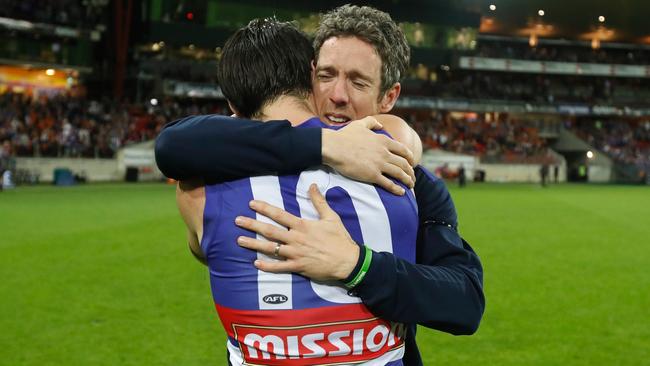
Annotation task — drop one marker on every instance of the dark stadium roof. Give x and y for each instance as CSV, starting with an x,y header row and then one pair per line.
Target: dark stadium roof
x,y
625,20
441,12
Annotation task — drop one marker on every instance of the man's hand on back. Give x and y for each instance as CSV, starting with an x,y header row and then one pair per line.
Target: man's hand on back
x,y
359,153
319,249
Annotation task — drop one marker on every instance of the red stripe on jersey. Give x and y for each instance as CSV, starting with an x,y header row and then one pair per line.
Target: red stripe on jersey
x,y
324,336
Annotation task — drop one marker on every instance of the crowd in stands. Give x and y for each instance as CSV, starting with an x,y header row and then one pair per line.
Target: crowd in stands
x,y
544,89
510,141
67,126
71,13
504,140
523,51
626,142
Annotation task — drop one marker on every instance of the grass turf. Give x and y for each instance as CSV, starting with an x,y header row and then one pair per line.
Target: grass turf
x,y
100,275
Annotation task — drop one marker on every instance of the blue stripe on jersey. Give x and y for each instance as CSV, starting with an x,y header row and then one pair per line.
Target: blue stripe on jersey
x,y
288,184
403,227
232,284
341,202
304,296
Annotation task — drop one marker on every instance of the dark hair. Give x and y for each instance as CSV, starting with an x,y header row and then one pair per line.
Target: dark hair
x,y
375,27
263,61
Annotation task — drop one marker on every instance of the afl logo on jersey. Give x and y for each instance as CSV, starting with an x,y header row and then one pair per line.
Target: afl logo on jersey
x,y
275,299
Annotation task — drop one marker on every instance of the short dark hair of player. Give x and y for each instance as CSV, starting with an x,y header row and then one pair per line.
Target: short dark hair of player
x,y
261,62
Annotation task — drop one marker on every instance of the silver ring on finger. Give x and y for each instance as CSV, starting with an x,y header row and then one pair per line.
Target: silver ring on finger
x,y
276,252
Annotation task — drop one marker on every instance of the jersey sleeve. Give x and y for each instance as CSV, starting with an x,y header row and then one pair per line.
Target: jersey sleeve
x,y
219,148
444,288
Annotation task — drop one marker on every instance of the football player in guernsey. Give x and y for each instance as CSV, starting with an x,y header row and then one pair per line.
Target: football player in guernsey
x,y
285,318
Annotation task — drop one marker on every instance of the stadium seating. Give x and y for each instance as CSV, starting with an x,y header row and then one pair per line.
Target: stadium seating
x,y
626,142
66,126
567,53
75,13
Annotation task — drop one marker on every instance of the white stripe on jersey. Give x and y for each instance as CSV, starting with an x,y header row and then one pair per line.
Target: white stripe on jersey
x,y
371,213
266,188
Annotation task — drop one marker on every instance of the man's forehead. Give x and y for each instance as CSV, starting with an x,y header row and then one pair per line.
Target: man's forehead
x,y
362,44
349,54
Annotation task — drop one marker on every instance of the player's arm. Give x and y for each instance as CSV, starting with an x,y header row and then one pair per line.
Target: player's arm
x,y
190,199
219,148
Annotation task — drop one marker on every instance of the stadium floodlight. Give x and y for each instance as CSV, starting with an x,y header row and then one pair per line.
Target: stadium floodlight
x,y
541,12
590,154
493,7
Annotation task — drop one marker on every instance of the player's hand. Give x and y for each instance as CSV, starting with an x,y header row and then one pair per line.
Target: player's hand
x,y
321,250
358,153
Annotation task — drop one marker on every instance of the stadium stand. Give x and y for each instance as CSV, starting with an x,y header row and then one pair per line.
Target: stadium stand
x,y
512,49
547,89
626,142
68,126
74,13
506,141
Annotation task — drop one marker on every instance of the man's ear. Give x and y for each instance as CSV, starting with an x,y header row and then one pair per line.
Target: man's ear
x,y
389,98
233,110
313,70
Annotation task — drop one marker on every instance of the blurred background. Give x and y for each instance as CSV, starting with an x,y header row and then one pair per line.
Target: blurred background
x,y
521,83
518,93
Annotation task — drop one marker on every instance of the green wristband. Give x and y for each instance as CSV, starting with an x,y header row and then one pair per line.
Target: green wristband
x,y
362,271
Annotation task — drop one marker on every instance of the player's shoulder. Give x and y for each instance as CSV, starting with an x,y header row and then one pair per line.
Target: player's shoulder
x,y
394,125
400,131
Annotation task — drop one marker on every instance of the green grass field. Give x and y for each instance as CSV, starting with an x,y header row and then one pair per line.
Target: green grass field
x,y
101,275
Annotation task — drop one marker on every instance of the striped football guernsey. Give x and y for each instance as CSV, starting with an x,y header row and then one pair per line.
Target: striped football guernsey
x,y
287,319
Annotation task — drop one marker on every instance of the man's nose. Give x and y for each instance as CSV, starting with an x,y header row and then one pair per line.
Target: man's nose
x,y
339,94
